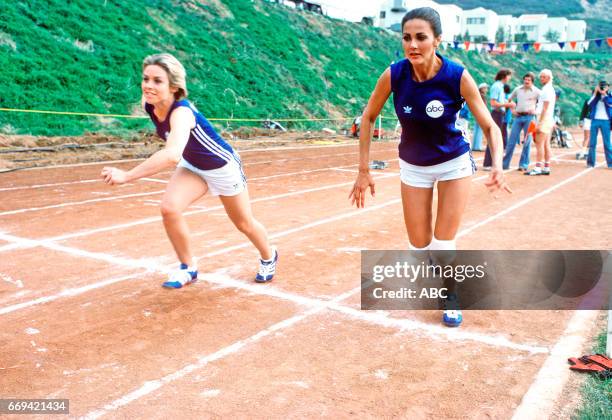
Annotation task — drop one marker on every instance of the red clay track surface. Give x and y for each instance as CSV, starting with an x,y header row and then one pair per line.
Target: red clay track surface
x,y
83,316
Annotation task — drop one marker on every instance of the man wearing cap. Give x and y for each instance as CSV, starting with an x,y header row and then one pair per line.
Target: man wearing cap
x,y
600,113
527,97
545,122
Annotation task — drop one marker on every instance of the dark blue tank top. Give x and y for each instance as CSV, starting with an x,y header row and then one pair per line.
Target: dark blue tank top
x,y
205,148
428,112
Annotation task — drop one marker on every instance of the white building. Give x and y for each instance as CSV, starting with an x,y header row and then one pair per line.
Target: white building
x,y
451,17
392,12
576,30
508,24
481,24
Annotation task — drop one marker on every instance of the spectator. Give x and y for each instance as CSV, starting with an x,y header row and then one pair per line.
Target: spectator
x,y
508,116
498,109
600,113
483,88
585,124
527,97
545,123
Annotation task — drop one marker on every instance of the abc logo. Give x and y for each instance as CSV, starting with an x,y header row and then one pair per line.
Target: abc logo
x,y
435,109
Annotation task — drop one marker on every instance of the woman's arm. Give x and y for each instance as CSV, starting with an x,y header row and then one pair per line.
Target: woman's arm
x,y
182,121
368,119
470,93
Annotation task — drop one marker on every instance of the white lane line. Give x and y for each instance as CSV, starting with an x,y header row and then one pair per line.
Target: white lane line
x,y
150,386
8,279
73,165
149,264
68,293
346,170
79,203
282,148
373,317
541,397
523,202
58,184
208,209
161,181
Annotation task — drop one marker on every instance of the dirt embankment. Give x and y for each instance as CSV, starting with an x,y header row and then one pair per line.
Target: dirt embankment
x,y
20,152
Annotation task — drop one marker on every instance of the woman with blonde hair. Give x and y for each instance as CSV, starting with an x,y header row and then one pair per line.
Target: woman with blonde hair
x,y
205,163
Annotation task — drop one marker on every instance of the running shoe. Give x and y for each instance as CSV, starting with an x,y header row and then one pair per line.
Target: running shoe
x,y
267,269
451,316
181,277
533,172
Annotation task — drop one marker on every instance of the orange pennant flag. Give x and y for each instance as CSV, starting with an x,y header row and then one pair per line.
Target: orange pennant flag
x,y
502,46
610,42
573,44
467,45
537,46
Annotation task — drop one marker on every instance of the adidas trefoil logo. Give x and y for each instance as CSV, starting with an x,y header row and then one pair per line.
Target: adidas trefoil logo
x,y
407,109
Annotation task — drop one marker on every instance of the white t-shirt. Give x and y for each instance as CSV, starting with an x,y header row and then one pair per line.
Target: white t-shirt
x,y
547,95
600,110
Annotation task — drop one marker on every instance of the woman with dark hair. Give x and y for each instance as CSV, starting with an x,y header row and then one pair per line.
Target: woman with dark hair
x,y
428,92
204,163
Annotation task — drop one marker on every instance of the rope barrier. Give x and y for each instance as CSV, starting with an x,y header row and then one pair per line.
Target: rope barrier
x,y
92,114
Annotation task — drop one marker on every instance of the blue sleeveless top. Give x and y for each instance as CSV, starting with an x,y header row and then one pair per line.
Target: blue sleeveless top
x,y
427,112
205,148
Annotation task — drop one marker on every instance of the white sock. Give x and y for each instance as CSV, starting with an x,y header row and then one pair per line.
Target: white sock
x,y
444,251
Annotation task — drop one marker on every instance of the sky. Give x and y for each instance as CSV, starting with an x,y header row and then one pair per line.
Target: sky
x,y
352,10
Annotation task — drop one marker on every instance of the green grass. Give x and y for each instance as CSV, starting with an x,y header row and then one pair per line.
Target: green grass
x,y
596,393
243,59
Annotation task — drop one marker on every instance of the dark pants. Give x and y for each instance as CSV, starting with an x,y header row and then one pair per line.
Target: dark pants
x,y
498,117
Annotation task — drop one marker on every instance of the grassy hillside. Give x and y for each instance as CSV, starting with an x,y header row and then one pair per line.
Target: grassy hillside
x,y
244,60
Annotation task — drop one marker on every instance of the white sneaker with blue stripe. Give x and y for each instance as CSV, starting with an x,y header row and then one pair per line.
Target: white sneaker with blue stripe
x,y
181,277
452,316
267,268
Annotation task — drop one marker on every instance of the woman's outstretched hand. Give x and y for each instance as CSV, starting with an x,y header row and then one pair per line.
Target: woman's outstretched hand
x,y
358,192
113,176
497,182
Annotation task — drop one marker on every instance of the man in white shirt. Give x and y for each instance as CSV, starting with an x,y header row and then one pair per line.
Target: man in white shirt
x,y
527,97
545,123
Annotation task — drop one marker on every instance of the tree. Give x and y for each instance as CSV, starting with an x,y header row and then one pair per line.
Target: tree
x,y
466,36
552,36
500,35
521,37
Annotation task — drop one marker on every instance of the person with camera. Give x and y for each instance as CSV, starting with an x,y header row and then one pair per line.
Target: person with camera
x,y
600,114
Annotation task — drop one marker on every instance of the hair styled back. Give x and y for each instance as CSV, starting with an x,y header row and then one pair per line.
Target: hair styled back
x,y
427,14
175,70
